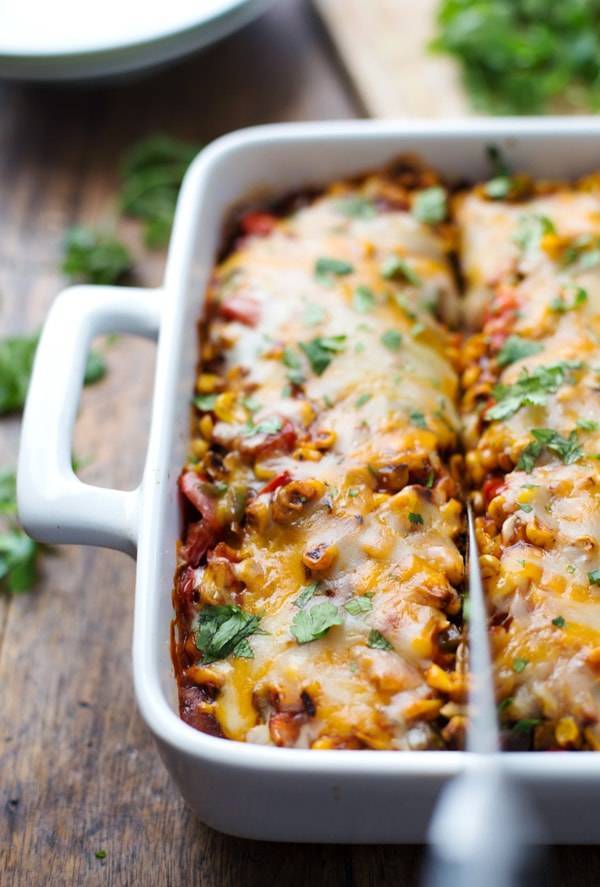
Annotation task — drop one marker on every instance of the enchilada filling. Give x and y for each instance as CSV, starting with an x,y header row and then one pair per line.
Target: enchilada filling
x,y
318,593
532,430
318,590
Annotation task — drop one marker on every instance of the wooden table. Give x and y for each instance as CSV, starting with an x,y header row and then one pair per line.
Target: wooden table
x,y
79,772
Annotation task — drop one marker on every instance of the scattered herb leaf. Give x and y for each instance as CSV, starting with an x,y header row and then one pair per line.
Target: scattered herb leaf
x,y
363,299
358,606
415,518
559,621
151,175
376,641
430,205
221,629
530,389
392,340
320,351
356,207
307,592
326,269
309,625
94,256
395,268
515,348
519,664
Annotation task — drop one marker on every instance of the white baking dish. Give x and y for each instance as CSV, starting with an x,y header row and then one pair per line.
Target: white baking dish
x,y
247,790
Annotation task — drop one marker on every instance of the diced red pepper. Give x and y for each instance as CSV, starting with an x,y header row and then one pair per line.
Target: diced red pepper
x,y
186,582
282,441
491,488
258,223
242,308
280,480
200,534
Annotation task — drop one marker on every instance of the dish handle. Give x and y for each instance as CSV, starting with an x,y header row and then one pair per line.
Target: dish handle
x,y
54,506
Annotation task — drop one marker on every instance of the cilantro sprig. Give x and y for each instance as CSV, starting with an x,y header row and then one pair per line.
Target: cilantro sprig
x,y
224,630
531,388
151,175
515,348
94,256
320,351
568,449
431,205
518,57
314,623
16,362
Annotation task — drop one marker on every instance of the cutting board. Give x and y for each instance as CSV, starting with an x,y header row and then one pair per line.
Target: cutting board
x,y
383,44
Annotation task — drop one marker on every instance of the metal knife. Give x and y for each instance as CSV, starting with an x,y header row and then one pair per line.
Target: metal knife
x,y
483,831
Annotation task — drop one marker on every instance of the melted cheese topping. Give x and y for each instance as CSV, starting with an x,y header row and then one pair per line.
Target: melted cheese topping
x,y
537,465
333,408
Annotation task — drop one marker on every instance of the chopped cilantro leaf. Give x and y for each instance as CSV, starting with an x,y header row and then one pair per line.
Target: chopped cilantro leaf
x,y
430,205
559,621
313,314
594,577
415,518
418,419
363,299
221,630
515,348
526,725
269,426
307,592
362,400
294,364
567,449
587,425
326,269
356,207
530,230
524,506
560,305
16,362
205,402
519,664
309,625
504,704
320,351
395,268
499,187
151,175
392,340
530,389
18,560
376,641
359,605
8,492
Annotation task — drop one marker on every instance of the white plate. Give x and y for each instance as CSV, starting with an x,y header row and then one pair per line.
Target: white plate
x,y
70,39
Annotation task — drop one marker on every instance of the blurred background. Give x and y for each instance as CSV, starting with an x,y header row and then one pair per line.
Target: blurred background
x,y
101,111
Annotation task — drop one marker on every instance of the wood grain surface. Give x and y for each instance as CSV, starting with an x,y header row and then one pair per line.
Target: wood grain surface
x,y
390,65
78,769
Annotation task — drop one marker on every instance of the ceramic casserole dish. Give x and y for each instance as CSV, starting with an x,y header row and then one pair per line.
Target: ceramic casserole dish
x,y
249,790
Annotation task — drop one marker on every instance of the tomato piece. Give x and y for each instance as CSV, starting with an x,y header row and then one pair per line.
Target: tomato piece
x,y
194,488
242,308
282,441
258,223
200,534
280,480
491,488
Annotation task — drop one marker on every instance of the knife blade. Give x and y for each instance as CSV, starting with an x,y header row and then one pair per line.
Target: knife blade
x,y
483,828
